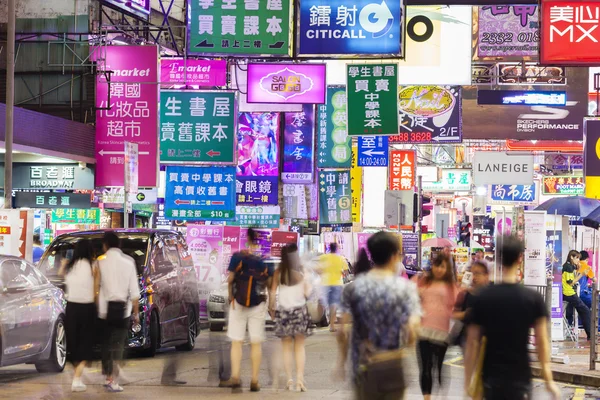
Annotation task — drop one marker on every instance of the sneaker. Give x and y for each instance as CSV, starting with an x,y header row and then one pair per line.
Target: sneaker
x,y
114,387
78,387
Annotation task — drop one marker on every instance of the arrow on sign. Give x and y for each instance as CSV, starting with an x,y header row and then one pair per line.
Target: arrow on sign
x,y
179,202
212,153
217,203
445,138
372,153
116,153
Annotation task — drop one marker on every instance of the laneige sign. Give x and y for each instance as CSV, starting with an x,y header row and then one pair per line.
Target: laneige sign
x,y
493,168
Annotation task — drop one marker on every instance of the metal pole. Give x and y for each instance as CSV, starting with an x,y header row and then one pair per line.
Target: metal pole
x,y
594,329
419,220
10,105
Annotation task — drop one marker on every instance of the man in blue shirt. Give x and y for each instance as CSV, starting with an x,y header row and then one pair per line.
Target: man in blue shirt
x,y
38,250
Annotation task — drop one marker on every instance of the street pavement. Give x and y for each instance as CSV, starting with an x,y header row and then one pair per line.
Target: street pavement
x,y
199,368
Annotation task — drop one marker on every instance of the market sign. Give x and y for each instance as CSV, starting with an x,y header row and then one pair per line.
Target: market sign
x,y
333,146
53,176
229,27
335,204
52,200
139,8
73,216
350,28
192,71
429,114
257,190
298,146
197,126
403,165
453,180
286,83
567,185
200,193
513,193
372,93
569,32
257,216
502,168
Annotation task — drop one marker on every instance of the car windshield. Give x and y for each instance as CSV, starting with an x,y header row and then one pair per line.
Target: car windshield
x,y
134,245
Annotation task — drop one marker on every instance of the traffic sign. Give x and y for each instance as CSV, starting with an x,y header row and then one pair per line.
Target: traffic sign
x,y
372,151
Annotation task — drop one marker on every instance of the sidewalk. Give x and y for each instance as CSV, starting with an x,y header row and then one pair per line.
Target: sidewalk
x,y
577,370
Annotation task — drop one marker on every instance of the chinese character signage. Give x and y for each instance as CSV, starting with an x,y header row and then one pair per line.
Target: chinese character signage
x,y
131,167
335,204
298,146
508,31
192,71
197,126
372,98
350,28
530,74
333,147
240,27
373,151
131,115
513,193
52,176
286,83
453,180
280,239
294,201
257,190
257,217
569,32
356,175
205,243
591,158
565,185
140,8
429,114
52,200
403,164
200,193
74,216
231,245
258,144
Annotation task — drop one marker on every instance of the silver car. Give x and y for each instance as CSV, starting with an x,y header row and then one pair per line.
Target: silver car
x,y
32,328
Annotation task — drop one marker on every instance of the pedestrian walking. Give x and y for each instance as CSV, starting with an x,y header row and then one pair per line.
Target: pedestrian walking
x,y
385,312
504,314
81,309
292,320
570,279
332,268
249,278
587,279
118,294
38,249
437,289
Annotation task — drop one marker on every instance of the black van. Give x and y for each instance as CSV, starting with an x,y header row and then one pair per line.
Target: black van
x,y
169,302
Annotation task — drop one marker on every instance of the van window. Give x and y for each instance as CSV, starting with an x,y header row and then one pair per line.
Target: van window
x,y
171,251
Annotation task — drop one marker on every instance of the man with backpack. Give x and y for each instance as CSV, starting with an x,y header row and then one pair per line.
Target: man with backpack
x,y
249,278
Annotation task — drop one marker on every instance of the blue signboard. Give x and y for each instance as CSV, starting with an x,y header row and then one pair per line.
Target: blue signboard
x,y
200,193
350,27
373,151
513,193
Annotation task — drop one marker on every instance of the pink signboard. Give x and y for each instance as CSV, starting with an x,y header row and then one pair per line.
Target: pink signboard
x,y
131,115
286,83
193,72
231,245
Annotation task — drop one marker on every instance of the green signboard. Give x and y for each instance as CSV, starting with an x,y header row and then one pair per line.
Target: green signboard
x,y
242,27
372,99
197,127
75,216
335,203
257,216
334,149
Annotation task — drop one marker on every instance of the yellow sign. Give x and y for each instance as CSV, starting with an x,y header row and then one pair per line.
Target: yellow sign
x,y
356,186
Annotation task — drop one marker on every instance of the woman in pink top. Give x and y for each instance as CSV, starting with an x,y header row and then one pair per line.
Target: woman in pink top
x,y
438,295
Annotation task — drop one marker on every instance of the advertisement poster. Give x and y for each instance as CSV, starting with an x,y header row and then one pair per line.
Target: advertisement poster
x,y
333,149
258,144
535,248
335,204
370,86
231,245
298,146
513,194
294,201
197,126
131,115
429,114
286,83
205,243
356,185
241,28
403,165
263,241
280,239
257,190
14,232
257,216
508,31
350,27
361,239
563,185
344,241
192,71
410,249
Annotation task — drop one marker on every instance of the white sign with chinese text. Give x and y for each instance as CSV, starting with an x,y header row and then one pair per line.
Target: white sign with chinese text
x,y
453,180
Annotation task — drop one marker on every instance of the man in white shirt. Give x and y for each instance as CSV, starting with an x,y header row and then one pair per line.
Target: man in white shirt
x,y
118,293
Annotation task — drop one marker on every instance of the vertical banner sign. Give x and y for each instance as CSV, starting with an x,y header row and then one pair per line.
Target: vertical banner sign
x,y
131,115
200,193
591,158
535,248
280,239
131,167
348,28
410,249
250,27
429,114
508,31
402,169
294,202
333,149
372,99
298,146
335,204
231,245
205,243
356,187
197,127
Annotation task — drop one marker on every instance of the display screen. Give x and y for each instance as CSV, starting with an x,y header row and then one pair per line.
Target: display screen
x,y
521,98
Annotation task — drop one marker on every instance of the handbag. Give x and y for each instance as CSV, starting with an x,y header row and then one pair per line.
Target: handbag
x,y
475,389
381,371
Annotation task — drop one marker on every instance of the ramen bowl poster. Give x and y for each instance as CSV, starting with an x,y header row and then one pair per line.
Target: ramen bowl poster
x,y
287,83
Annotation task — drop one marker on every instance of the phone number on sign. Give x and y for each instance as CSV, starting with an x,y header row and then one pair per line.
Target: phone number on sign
x,y
418,137
508,37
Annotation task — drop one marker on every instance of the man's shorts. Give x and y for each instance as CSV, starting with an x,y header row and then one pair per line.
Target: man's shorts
x,y
332,295
253,318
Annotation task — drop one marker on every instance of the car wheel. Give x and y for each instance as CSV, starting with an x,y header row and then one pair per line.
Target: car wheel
x,y
58,354
153,336
216,327
192,332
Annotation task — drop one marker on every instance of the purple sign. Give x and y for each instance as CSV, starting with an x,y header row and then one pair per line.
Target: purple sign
x,y
508,31
257,190
286,83
193,72
131,115
298,146
141,8
263,241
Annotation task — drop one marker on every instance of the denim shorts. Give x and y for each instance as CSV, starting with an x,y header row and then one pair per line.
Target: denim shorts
x,y
332,295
